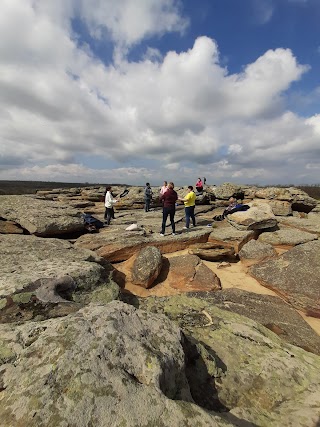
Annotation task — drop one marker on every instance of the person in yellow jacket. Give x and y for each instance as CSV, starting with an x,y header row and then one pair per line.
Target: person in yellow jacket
x,y
189,205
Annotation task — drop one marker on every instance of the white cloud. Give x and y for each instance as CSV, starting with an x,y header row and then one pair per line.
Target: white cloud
x,y
179,115
129,21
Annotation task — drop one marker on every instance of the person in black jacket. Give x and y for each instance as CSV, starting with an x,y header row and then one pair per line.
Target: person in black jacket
x,y
147,197
169,199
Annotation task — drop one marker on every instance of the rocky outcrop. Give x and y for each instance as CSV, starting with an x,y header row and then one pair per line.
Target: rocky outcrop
x,y
95,368
227,235
270,311
10,227
213,252
146,266
118,245
188,273
258,217
310,224
299,199
44,277
41,217
286,237
227,190
253,373
295,276
255,251
182,273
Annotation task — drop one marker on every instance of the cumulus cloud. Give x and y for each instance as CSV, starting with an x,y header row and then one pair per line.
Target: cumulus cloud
x,y
167,116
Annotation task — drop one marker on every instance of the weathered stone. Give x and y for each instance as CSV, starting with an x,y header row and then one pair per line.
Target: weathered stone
x,y
212,252
38,274
228,235
262,380
188,273
226,190
276,193
10,227
259,216
295,276
95,368
270,311
279,207
41,217
310,224
178,274
146,266
116,244
286,237
255,251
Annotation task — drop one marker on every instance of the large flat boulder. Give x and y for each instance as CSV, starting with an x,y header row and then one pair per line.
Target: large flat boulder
x,y
287,236
256,251
257,376
260,216
41,217
295,276
116,244
105,366
228,235
299,199
38,274
270,311
310,224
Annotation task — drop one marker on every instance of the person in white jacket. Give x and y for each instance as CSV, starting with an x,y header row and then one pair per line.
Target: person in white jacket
x,y
109,201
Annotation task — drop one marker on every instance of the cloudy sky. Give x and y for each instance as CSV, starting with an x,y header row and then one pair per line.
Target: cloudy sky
x,y
129,91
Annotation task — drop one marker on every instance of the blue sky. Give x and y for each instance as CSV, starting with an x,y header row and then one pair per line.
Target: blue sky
x,y
145,90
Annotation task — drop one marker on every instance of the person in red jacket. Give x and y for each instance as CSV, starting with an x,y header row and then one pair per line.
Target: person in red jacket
x,y
169,199
199,186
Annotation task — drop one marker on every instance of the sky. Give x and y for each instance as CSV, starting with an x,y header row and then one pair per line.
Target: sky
x,y
136,91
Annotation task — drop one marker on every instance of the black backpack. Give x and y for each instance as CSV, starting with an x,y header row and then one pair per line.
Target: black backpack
x,y
91,223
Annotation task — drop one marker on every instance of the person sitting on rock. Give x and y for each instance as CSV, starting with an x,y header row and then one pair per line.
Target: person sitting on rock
x,y
199,186
233,206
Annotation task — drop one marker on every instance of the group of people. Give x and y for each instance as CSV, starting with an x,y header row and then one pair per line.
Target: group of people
x,y
169,198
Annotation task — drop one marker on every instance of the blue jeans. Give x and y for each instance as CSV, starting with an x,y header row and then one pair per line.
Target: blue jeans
x,y
165,213
189,211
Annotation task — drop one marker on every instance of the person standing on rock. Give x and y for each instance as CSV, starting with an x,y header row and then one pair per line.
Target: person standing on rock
x,y
147,197
169,199
109,201
189,206
164,188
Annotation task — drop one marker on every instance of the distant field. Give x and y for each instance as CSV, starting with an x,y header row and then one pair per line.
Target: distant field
x,y
312,190
31,187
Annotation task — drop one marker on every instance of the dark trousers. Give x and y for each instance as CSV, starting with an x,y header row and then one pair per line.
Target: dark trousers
x,y
109,213
147,204
189,211
165,213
